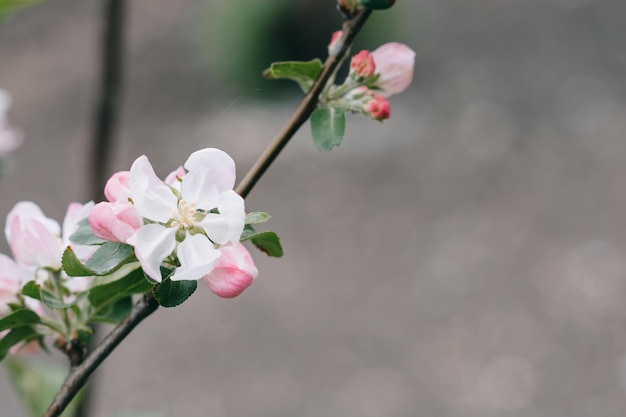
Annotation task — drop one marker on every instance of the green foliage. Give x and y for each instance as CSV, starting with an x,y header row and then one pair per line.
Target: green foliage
x,y
84,234
257,217
36,384
173,293
328,126
18,318
33,290
268,242
106,260
105,291
15,336
303,73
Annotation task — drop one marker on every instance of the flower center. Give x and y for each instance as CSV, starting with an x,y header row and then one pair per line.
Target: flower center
x,y
185,216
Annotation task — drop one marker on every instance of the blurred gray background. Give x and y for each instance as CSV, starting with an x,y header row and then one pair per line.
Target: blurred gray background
x,y
465,258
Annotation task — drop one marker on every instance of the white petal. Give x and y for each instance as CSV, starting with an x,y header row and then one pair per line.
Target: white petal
x,y
227,226
152,197
197,257
153,243
216,164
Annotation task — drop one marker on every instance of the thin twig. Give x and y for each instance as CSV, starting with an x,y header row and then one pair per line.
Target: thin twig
x,y
147,305
308,104
78,374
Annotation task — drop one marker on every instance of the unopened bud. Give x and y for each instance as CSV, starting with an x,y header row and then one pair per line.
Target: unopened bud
x,y
378,108
362,65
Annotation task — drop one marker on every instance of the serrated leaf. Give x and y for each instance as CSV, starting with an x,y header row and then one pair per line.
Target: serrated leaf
x,y
32,289
173,293
257,217
84,235
106,260
19,318
36,383
14,337
328,126
103,293
303,73
268,242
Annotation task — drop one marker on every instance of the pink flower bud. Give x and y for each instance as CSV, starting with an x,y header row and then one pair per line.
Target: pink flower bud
x,y
234,271
117,187
35,239
362,65
394,63
115,221
378,108
334,45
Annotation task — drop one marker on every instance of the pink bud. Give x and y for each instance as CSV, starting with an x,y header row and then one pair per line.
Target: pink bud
x,y
378,108
115,221
234,271
394,63
333,46
117,187
362,65
35,239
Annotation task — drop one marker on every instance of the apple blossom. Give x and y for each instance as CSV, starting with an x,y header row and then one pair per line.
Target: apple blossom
x,y
11,280
333,46
188,221
362,65
234,271
394,62
117,187
10,138
115,221
378,108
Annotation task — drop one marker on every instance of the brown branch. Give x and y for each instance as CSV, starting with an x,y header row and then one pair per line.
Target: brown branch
x,y
147,305
80,373
308,104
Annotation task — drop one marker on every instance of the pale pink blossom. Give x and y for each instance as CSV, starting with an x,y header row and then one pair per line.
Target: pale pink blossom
x,y
189,222
12,277
394,62
35,239
362,65
10,138
378,108
233,272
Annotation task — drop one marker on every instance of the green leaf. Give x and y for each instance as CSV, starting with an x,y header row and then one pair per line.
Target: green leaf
x,y
172,293
303,73
51,301
84,235
106,260
248,232
268,242
14,337
257,217
328,126
104,292
32,289
18,318
36,384
117,311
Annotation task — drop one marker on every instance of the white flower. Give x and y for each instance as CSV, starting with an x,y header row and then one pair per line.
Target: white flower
x,y
186,221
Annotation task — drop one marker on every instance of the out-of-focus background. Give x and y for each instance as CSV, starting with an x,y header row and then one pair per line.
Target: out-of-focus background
x,y
465,258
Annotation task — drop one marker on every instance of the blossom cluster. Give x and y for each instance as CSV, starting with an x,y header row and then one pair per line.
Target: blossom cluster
x,y
187,227
373,77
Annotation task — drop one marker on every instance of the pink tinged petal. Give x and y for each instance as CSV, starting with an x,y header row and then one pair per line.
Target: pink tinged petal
x,y
34,239
114,222
197,256
76,212
153,199
153,243
227,226
117,187
233,272
207,168
174,177
395,63
10,282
